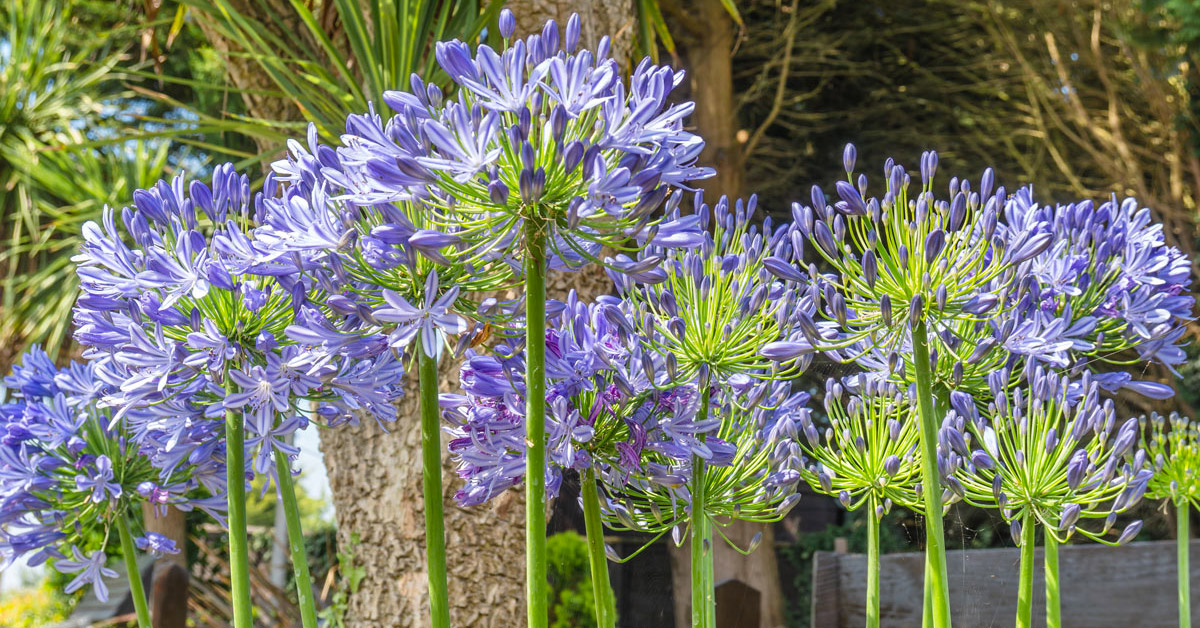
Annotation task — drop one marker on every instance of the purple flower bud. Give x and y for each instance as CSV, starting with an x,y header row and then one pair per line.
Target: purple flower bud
x,y
498,192
982,461
870,267
980,304
783,351
844,499
1130,532
916,310
958,213
849,156
934,243
508,23
783,270
885,310
891,465
1014,529
824,239
525,185
964,405
825,481
428,239
1051,440
1070,515
954,440
855,206
1030,247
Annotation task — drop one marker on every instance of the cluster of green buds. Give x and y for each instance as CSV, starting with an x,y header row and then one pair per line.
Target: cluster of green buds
x,y
869,454
1048,454
1173,446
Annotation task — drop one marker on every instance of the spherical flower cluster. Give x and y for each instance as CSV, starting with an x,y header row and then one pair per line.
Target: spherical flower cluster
x,y
904,262
541,142
748,450
1173,446
1108,285
727,308
69,470
1047,453
868,455
597,386
391,265
187,318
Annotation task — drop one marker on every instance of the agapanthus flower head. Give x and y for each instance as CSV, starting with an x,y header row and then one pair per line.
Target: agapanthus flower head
x,y
1173,447
1107,290
1048,449
868,453
1117,287
69,471
539,140
729,307
597,397
910,259
186,317
751,455
394,264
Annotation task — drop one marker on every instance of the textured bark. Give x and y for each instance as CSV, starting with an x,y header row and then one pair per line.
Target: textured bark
x,y
598,18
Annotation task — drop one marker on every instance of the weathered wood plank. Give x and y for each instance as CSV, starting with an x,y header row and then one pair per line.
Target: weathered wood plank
x,y
1102,587
826,597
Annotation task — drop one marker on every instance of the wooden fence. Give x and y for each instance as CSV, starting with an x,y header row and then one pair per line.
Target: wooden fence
x,y
1102,587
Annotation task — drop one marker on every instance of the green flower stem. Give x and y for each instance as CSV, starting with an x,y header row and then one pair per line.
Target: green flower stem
x,y
239,554
872,567
1183,571
535,424
135,575
935,543
431,478
704,603
1053,599
927,602
291,512
1025,585
606,603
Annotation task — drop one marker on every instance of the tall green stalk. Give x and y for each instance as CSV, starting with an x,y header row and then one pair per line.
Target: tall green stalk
x,y
239,554
1025,585
1053,599
535,424
431,478
605,601
872,566
704,604
136,590
1183,571
935,543
927,601
291,512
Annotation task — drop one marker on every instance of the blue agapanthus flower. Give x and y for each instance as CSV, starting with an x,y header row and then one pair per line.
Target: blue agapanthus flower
x,y
596,384
70,469
187,318
1110,288
539,132
729,308
1046,451
616,409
